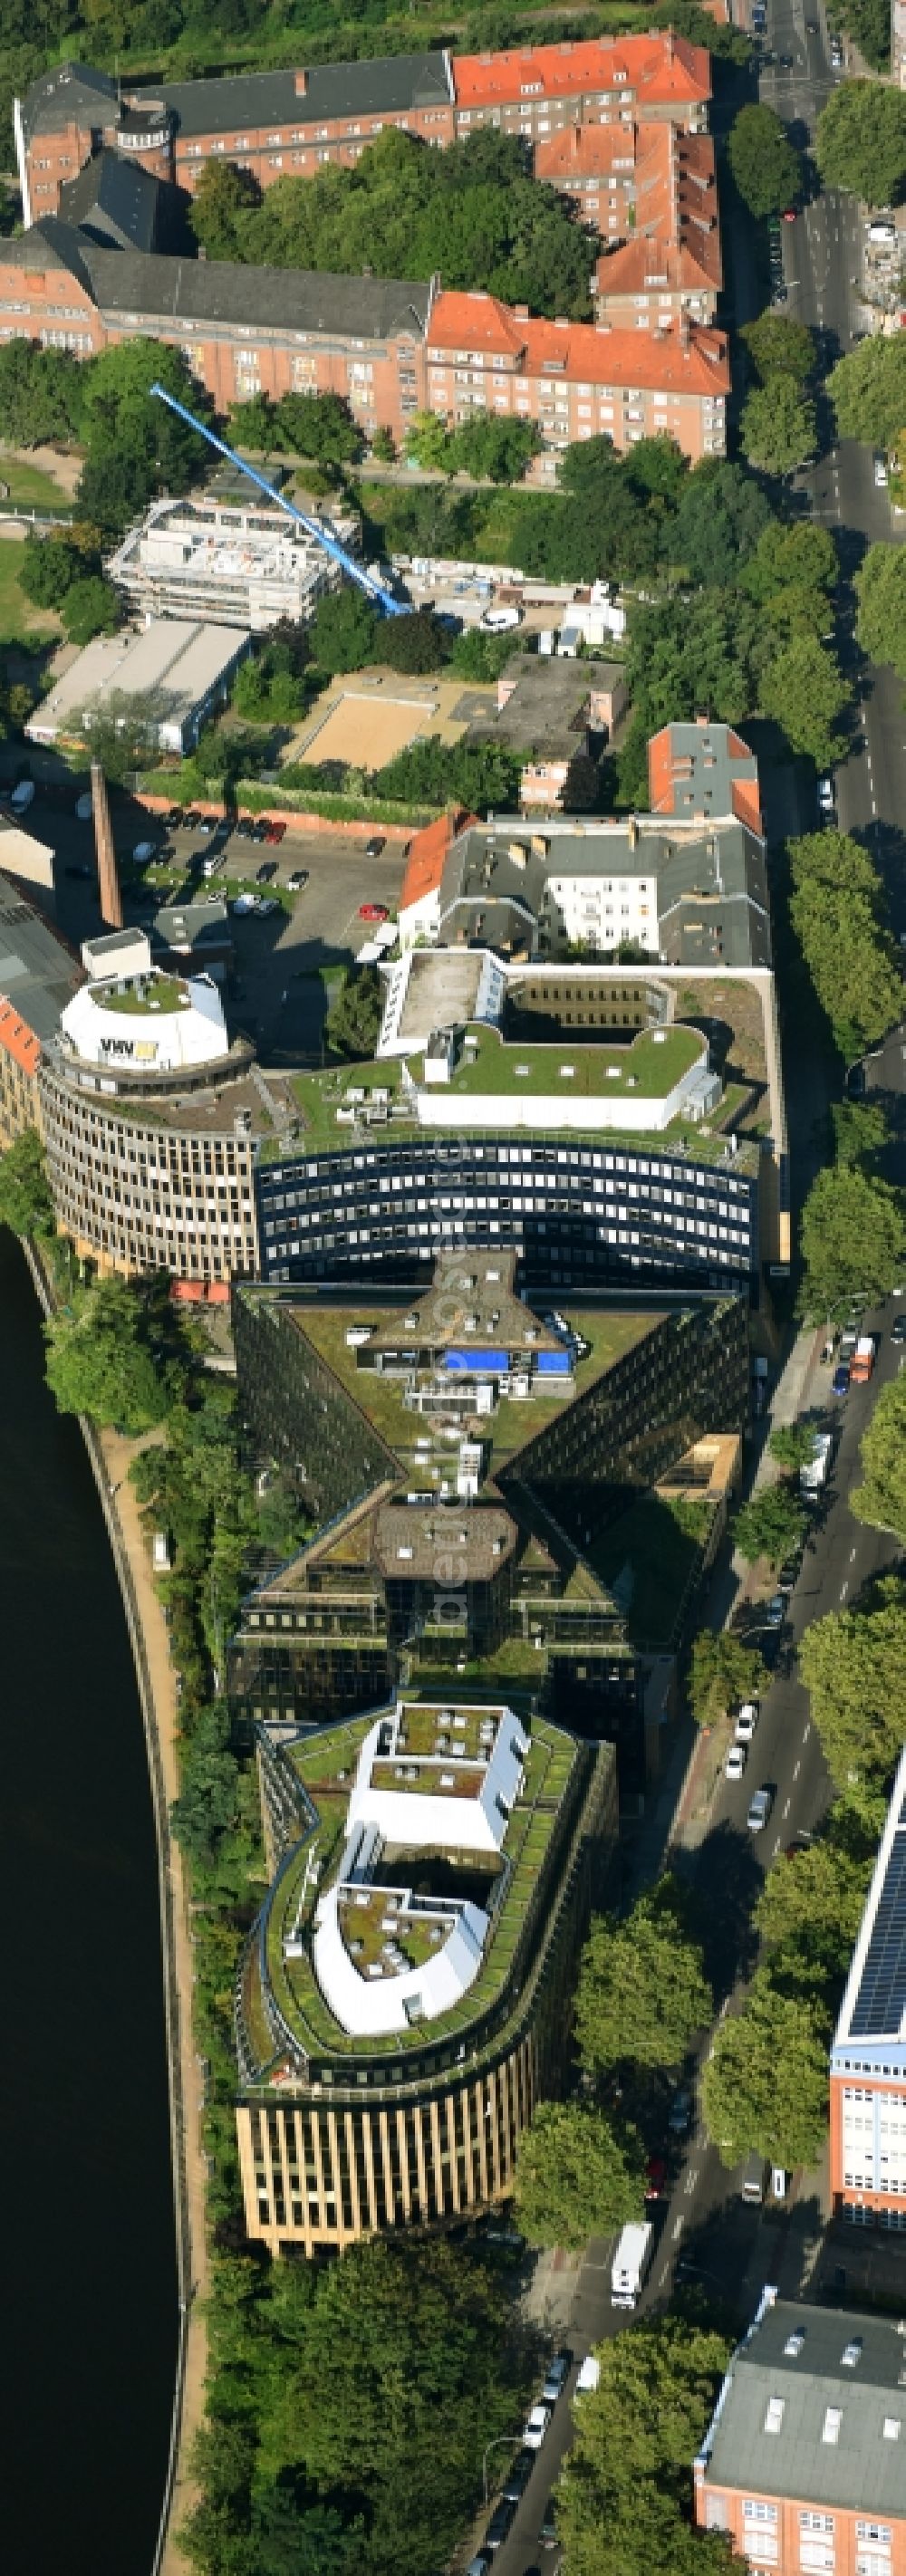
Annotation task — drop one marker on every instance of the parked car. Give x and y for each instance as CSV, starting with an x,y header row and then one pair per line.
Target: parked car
x,y
779,295
517,2477
175,818
143,851
826,794
840,1380
295,883
736,1760
655,2176
500,2525
775,1613
276,832
206,827
880,471
680,2113
555,2377
746,1721
265,903
789,214
375,845
478,2566
267,870
258,830
191,819
898,1332
373,912
760,1807
548,2531
243,903
245,827
536,2426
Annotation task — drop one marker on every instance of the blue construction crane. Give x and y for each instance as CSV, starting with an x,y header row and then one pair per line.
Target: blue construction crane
x,y
313,527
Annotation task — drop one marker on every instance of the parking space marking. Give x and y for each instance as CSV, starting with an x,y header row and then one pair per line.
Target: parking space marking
x,y
797,1770
690,2182
776,1847
844,1588
678,2229
807,1733
786,1811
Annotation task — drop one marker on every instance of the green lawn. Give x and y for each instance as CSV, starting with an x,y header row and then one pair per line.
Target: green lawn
x,y
30,488
20,623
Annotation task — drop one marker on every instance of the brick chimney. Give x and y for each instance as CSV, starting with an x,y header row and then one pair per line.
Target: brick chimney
x,y
108,876
301,84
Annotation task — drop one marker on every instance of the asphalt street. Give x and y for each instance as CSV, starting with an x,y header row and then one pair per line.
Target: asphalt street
x,y
704,2222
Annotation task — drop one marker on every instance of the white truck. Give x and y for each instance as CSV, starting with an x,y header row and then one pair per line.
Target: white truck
x,y
813,1474
630,2264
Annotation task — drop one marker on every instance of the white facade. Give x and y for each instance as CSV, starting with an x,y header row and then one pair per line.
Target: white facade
x,y
241,564
366,2007
171,675
170,1024
431,1814
644,1113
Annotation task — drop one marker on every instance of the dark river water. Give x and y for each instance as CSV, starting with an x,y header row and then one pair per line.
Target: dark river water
x,y
87,2256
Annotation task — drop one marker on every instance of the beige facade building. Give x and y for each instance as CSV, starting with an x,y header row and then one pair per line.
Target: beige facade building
x,y
401,2006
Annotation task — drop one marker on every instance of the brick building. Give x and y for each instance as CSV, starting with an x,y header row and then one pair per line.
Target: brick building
x,y
290,123
803,2464
672,263
868,2054
389,347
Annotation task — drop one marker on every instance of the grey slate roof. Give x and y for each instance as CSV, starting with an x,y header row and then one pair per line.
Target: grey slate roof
x,y
38,972
712,893
714,763
165,289
245,101
863,2468
115,202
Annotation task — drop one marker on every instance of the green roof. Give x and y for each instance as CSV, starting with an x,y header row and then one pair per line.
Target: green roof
x,y
650,1065
320,1095
147,999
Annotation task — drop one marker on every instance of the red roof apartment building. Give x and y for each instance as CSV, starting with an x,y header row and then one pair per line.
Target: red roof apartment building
x,y
868,2052
279,123
804,2462
390,347
651,191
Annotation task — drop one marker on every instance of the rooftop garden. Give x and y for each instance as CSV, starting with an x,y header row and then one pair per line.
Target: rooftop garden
x,y
325,1765
654,1061
318,1097
161,993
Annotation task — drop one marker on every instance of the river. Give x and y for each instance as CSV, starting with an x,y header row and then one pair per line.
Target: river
x,y
88,2254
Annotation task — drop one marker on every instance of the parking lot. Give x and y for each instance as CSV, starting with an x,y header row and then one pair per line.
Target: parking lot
x,y
285,961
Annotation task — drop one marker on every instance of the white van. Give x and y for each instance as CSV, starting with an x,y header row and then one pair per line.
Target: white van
x,y
630,2264
589,2374
779,2182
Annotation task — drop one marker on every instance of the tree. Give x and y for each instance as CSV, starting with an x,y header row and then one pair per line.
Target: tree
x,y
769,1524
254,425
121,420
352,1023
765,166
224,196
41,393
26,1205
642,1991
624,2499
808,1916
853,1242
881,592
805,691
803,557
320,426
90,607
722,1673
837,912
383,447
482,776
496,450
343,630
720,517
207,1806
868,388
47,567
861,1130
577,2176
417,642
791,1443
860,142
777,428
853,1664
881,1498
764,2085
780,347
428,443
99,1360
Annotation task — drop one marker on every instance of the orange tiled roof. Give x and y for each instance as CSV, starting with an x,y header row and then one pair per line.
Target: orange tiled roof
x,y
427,856
675,213
18,1039
586,152
690,361
640,267
658,68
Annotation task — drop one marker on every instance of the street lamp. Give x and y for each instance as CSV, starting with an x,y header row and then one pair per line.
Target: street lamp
x,y
501,2441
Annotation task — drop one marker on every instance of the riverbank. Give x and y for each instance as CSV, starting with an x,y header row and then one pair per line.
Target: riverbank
x,y
111,1457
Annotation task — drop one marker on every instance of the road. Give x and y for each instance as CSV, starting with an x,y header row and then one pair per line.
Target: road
x,y
704,2221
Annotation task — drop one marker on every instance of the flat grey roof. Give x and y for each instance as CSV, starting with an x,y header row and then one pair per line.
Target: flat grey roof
x,y
548,708
39,972
862,2467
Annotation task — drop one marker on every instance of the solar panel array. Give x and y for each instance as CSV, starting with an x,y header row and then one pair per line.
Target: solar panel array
x,y
881,2000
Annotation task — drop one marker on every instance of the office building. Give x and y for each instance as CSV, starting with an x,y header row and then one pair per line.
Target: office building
x,y
803,2465
868,2053
39,975
279,123
402,2002
234,564
170,676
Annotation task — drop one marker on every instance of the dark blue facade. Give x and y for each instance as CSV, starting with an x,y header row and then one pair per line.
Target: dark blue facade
x,y
579,1212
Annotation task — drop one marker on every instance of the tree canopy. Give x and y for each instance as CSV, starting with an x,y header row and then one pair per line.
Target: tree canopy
x,y
722,1673
354,1018
720,518
25,1201
868,388
808,1916
880,1499
764,2084
860,142
853,1664
853,1241
769,1524
624,2499
837,910
779,346
805,691
642,1991
777,430
577,2175
765,164
472,214
881,592
99,1360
